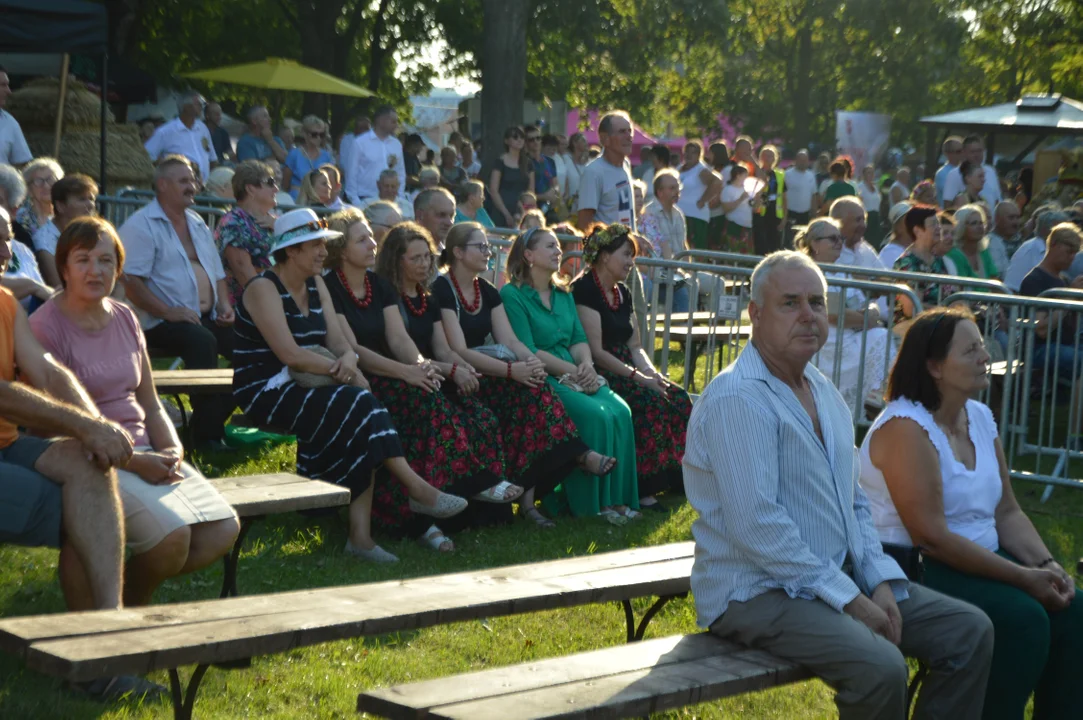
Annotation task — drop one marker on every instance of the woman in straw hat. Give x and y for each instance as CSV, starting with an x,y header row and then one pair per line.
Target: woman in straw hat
x,y
284,377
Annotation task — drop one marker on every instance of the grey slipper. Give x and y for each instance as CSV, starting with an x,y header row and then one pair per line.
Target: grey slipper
x,y
377,554
446,506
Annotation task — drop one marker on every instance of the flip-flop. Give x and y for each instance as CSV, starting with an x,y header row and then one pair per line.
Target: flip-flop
x,y
535,516
502,492
601,467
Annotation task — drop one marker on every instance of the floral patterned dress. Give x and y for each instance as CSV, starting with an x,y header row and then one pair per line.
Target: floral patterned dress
x,y
660,422
930,293
541,443
239,229
452,441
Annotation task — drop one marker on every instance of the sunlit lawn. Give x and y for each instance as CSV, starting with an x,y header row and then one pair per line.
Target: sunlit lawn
x,y
293,552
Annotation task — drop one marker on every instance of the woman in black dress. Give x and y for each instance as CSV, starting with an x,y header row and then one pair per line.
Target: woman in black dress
x,y
444,437
343,433
660,409
511,176
541,443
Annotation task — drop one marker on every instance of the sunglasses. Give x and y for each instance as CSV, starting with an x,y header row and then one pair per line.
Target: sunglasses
x,y
834,239
316,134
533,138
268,182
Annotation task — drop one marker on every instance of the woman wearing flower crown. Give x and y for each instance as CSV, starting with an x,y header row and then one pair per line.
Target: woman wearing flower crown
x,y
405,263
541,443
660,409
542,313
282,376
439,440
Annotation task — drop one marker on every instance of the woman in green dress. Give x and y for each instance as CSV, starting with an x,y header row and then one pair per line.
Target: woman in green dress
x,y
543,315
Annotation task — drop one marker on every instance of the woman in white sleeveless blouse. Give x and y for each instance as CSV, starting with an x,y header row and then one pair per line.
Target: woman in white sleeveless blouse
x,y
936,477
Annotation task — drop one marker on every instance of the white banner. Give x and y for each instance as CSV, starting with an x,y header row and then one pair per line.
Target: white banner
x,y
864,136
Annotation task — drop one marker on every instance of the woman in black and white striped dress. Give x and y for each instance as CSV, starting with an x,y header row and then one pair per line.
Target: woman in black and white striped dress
x,y
343,433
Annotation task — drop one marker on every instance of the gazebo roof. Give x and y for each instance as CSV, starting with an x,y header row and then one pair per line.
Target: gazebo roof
x,y
1044,114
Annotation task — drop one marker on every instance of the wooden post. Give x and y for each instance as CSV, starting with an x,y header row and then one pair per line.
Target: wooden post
x,y
64,66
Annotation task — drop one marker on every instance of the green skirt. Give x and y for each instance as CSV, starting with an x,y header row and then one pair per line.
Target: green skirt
x,y
604,422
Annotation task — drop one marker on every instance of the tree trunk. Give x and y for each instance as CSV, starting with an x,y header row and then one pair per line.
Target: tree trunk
x,y
802,95
503,72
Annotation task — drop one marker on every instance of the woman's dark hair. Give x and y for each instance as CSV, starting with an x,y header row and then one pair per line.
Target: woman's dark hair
x,y
389,259
736,171
526,164
837,169
84,234
928,339
280,257
618,242
966,167
720,154
916,217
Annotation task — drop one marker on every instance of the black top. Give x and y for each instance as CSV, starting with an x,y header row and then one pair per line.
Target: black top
x,y
513,183
1038,281
616,326
254,363
420,328
476,326
367,323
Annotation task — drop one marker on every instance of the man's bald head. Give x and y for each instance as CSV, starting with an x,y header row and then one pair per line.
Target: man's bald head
x,y
850,213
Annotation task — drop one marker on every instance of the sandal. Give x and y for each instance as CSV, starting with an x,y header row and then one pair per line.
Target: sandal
x,y
502,492
435,538
600,466
534,515
613,517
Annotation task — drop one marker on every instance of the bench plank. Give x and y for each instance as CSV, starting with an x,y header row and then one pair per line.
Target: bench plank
x,y
252,501
247,481
188,382
632,680
18,631
429,603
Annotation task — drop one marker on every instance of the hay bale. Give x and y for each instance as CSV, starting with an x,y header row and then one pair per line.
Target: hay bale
x,y
34,105
127,163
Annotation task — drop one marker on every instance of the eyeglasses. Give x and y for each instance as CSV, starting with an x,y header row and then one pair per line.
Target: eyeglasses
x,y
315,134
43,181
533,138
483,248
268,182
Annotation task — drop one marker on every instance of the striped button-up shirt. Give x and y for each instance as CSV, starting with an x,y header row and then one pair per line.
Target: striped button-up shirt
x,y
778,509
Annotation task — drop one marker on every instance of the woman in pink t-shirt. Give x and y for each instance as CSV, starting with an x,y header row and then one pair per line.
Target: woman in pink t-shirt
x,y
175,521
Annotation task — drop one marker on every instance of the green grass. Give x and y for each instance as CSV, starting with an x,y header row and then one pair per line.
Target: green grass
x,y
293,552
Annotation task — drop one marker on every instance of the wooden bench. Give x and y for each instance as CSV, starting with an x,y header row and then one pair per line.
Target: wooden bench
x,y
213,381
256,496
627,681
89,645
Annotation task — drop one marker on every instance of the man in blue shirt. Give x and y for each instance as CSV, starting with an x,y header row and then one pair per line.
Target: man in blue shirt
x,y
546,188
787,557
258,142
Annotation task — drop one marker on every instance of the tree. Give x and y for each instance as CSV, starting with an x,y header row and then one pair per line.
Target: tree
x,y
503,71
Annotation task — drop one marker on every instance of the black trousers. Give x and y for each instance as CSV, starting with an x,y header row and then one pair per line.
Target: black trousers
x,y
199,347
766,236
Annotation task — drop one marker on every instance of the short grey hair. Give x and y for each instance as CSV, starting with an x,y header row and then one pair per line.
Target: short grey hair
x,y
662,175
382,212
962,217
425,198
777,260
43,163
839,206
1049,220
387,175
252,112
13,185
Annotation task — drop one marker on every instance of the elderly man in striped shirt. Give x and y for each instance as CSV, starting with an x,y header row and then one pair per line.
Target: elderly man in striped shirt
x,y
787,558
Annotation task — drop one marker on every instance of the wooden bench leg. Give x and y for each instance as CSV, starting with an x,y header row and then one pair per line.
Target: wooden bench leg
x,y
184,414
184,701
636,633
229,574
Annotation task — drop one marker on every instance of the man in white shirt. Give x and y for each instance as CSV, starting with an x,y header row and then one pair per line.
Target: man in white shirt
x,y
345,148
185,135
800,187
974,151
953,151
372,153
1030,253
1004,239
13,147
174,277
856,250
788,559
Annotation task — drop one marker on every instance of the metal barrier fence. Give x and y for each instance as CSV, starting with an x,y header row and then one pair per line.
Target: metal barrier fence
x,y
1040,338
117,209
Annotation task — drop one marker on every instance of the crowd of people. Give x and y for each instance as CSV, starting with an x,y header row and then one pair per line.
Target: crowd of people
x,y
369,324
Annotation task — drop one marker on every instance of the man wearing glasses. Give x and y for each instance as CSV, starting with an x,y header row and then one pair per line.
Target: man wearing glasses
x,y
186,135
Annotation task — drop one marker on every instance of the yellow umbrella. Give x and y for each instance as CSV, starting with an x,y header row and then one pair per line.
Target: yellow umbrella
x,y
281,74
